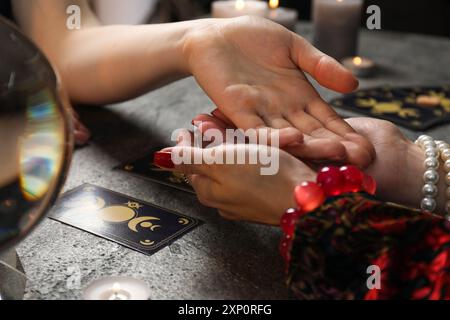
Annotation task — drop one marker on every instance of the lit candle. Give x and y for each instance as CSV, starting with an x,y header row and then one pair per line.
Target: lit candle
x,y
336,26
117,288
361,67
284,16
237,8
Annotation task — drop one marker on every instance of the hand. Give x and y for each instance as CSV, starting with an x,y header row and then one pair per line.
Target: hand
x,y
399,166
315,149
399,161
80,132
252,70
240,192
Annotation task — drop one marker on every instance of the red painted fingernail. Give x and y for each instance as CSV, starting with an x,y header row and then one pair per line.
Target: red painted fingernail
x,y
163,160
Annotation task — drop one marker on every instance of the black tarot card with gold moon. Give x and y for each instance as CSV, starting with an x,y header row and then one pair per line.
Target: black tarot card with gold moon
x,y
400,105
132,223
144,168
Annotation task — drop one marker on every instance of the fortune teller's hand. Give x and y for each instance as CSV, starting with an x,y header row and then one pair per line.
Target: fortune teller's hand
x,y
253,71
240,192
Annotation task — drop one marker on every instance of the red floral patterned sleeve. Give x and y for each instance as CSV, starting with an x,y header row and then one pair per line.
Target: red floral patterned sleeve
x,y
336,248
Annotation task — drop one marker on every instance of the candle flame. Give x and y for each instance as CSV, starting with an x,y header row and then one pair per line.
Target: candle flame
x,y
239,5
340,0
116,288
357,61
273,4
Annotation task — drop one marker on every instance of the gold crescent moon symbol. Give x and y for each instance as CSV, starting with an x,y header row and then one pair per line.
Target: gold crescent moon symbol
x,y
155,227
184,221
143,221
147,242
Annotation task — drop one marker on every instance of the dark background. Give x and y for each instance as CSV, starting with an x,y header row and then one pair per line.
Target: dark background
x,y
418,16
425,16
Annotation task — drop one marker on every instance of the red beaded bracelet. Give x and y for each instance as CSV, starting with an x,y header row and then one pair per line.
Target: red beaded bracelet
x,y
331,182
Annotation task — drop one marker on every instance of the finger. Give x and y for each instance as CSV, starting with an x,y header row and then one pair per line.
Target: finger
x,y
278,122
285,137
205,126
319,149
185,138
168,149
212,121
360,152
248,119
212,134
192,162
219,115
326,70
208,118
364,142
356,155
328,117
81,137
304,122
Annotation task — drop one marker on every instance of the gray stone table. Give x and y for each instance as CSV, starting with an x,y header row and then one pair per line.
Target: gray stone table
x,y
220,259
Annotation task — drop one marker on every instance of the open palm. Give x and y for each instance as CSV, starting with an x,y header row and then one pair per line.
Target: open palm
x,y
253,71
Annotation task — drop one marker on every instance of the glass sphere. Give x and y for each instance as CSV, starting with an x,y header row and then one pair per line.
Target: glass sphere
x,y
35,135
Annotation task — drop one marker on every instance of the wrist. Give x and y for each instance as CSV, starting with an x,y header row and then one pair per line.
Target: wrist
x,y
197,38
406,183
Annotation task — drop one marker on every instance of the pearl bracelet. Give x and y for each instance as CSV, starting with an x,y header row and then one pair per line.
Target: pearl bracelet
x,y
431,175
444,150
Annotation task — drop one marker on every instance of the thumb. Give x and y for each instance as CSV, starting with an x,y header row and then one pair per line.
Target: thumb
x,y
326,70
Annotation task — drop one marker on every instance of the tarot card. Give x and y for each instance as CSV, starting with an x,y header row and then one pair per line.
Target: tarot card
x,y
399,105
145,168
136,224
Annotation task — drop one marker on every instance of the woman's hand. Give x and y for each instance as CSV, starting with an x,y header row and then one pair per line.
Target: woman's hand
x,y
253,69
399,166
240,192
80,132
311,148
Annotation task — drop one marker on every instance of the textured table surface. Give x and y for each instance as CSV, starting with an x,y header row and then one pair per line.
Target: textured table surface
x,y
220,259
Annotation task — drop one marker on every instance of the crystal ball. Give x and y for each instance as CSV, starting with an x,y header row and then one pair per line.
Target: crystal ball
x,y
35,138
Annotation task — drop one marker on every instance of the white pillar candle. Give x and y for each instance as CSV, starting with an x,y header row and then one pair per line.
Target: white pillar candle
x,y
336,26
237,8
124,12
284,16
117,288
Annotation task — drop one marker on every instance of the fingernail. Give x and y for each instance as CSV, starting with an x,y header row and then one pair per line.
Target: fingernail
x,y
81,138
163,160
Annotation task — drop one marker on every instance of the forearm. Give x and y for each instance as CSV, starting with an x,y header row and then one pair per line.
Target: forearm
x,y
103,64
114,63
